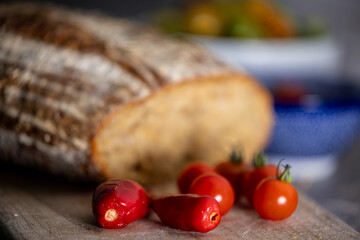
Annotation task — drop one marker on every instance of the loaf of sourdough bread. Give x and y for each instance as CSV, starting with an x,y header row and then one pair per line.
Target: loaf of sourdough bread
x,y
89,96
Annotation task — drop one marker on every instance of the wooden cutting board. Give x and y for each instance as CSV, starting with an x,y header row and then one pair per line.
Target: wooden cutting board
x,y
40,207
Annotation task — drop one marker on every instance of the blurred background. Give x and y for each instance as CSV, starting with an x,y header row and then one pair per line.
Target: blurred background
x,y
308,55
335,19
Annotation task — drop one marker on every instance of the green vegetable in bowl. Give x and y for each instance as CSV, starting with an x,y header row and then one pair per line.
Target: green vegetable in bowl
x,y
244,27
240,19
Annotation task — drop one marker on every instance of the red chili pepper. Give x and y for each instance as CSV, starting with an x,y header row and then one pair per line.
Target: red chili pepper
x,y
189,212
118,202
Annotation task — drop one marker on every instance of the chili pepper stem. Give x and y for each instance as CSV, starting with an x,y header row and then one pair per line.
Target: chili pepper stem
x,y
111,215
214,217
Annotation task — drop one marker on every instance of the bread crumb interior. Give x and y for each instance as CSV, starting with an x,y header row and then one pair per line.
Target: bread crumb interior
x,y
192,121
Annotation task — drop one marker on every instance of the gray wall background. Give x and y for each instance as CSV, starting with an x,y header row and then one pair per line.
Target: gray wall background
x,y
343,19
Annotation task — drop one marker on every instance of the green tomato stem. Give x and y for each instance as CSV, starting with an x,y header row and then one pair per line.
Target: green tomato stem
x,y
260,160
236,156
284,176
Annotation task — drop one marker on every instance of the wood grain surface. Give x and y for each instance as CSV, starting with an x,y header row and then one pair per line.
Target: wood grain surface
x,y
41,207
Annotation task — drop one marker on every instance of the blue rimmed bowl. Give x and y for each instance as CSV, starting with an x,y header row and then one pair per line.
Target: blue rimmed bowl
x,y
315,122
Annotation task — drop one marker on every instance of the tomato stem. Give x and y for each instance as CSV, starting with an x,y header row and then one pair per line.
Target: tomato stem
x,y
284,176
236,155
260,160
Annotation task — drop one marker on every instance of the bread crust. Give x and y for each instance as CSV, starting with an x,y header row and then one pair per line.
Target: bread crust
x,y
67,76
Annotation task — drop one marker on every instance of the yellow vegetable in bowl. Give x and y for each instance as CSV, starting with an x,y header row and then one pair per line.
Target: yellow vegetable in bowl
x,y
204,19
240,19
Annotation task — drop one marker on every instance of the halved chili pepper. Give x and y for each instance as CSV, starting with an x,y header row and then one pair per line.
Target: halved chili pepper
x,y
189,212
118,202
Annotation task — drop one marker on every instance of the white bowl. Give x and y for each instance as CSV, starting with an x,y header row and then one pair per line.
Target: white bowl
x,y
318,56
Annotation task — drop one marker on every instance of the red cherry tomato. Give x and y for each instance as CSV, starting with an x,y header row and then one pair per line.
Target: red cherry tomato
x,y
260,172
234,171
189,173
118,202
243,184
290,92
216,186
275,199
188,212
